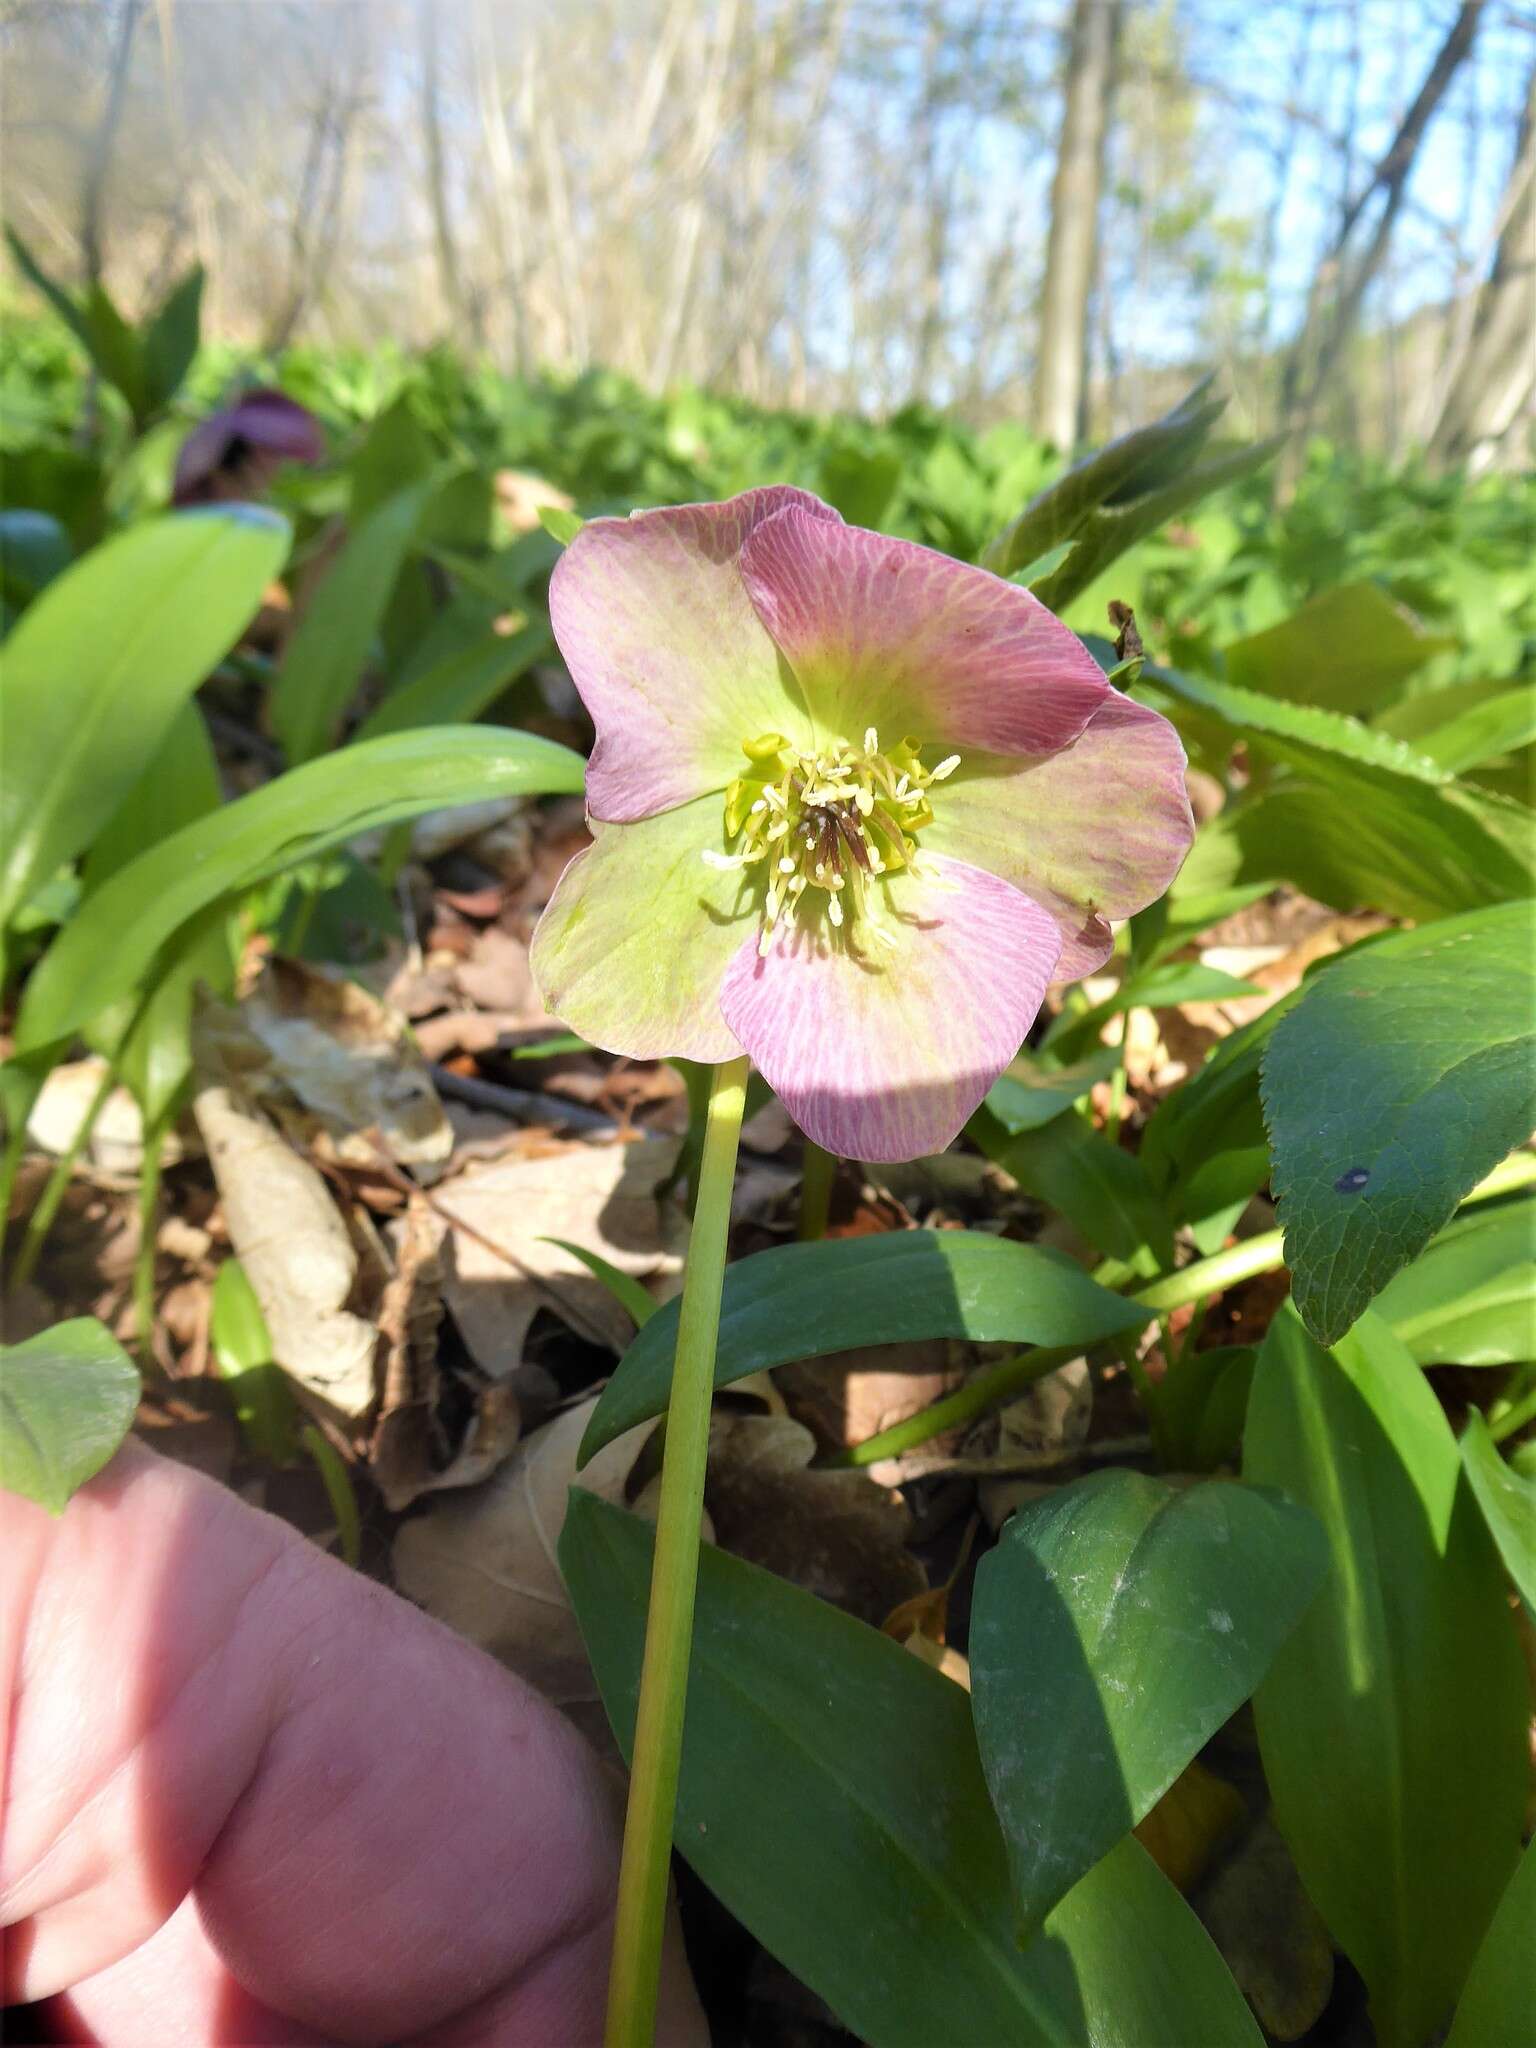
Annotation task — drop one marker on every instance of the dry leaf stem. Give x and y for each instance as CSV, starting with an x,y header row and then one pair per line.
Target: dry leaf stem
x,y
654,1767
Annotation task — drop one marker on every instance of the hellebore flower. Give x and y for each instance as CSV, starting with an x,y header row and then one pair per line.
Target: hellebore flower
x,y
854,806
236,453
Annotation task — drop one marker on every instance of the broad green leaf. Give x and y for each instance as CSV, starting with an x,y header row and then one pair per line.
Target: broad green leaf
x,y
1392,1724
1494,2010
831,1797
1484,731
67,1400
117,351
170,339
1402,1076
1119,1622
1350,648
1354,835
458,688
808,1300
325,657
99,665
1470,1297
1103,1191
860,483
179,785
106,949
1508,1504
1031,1092
1202,1403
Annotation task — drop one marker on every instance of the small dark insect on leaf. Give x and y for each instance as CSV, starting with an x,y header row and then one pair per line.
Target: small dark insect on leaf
x,y
1352,1182
1128,645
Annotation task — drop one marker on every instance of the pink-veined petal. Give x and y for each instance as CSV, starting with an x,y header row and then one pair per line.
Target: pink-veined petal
x,y
670,658
884,633
1094,832
634,944
882,1054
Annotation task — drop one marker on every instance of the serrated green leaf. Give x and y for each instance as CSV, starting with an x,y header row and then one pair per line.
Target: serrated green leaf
x,y
1083,1717
109,945
1392,1723
807,1300
1402,1076
1483,732
859,1846
86,707
67,1400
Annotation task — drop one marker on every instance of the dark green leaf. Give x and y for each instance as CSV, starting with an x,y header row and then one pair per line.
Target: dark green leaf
x,y
1402,1076
34,548
860,483
1103,1191
109,945
1508,1503
807,1300
1470,1297
831,1796
458,688
1494,2010
1202,1403
170,339
67,1400
325,657
1392,1724
1116,1626
624,1287
88,704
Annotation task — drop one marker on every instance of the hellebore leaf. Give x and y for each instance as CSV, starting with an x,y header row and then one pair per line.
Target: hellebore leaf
x,y
1402,1076
67,1400
860,1847
806,1300
1119,1622
1350,648
1392,1723
1508,1503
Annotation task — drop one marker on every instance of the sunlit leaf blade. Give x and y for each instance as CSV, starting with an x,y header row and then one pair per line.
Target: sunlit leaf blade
x,y
110,943
1470,1297
1119,1622
464,683
67,1399
1350,648
1392,1723
1508,1503
1403,1075
832,1798
99,665
807,1300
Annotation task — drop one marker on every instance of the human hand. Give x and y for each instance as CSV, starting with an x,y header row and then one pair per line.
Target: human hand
x,y
251,1797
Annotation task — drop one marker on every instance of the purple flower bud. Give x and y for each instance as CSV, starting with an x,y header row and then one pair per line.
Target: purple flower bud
x,y
237,452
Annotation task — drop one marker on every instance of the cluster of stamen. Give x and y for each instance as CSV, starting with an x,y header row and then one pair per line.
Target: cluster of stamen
x,y
835,820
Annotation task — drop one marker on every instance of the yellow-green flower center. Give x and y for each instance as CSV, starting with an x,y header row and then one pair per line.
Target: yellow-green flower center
x,y
835,821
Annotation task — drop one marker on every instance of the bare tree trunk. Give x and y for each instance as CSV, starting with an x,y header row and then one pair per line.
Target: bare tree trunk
x,y
99,161
1347,271
1498,363
450,281
1061,378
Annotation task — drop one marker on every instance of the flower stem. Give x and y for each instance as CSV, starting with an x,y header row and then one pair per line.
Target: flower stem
x,y
818,1170
1193,1283
638,1925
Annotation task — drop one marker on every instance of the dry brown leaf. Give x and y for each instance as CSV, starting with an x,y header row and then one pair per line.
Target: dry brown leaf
x,y
485,1562
1191,1824
1271,1936
600,1196
857,1393
287,1233
116,1143
836,1533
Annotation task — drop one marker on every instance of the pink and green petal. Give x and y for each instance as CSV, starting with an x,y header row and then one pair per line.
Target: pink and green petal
x,y
635,942
666,651
1094,832
884,633
883,1054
